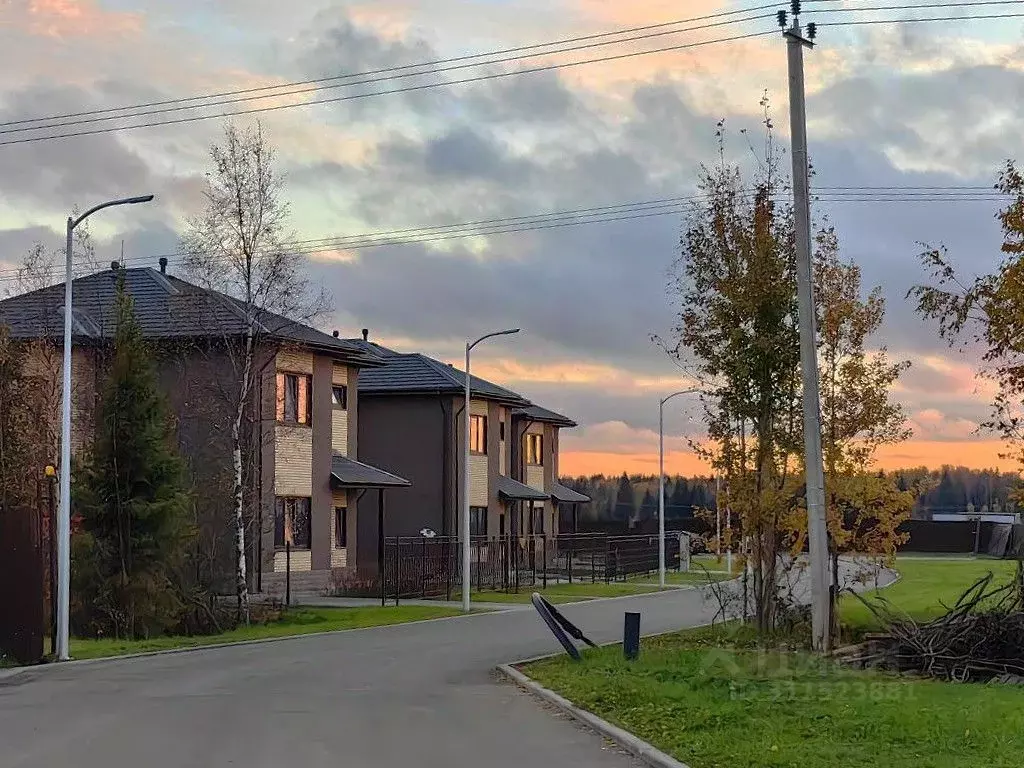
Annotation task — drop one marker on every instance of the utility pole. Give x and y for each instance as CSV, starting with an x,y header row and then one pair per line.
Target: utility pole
x,y
816,522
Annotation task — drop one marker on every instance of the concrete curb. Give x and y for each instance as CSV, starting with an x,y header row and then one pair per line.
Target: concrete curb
x,y
635,746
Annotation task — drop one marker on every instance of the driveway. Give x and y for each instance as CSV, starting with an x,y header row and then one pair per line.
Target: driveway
x,y
408,695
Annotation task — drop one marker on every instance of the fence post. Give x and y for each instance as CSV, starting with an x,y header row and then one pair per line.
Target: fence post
x,y
287,574
544,562
423,569
479,571
571,540
448,570
607,553
593,565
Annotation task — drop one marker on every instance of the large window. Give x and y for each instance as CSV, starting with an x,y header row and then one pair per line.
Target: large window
x,y
291,522
341,527
339,397
478,521
478,434
535,449
294,398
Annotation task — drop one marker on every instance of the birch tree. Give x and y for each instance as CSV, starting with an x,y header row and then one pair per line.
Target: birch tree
x,y
237,246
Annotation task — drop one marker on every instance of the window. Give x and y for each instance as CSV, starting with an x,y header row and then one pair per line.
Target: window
x,y
501,525
294,398
538,519
478,434
341,527
478,521
501,430
339,397
291,522
535,449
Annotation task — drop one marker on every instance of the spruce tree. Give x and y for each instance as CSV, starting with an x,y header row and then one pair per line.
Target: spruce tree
x,y
133,498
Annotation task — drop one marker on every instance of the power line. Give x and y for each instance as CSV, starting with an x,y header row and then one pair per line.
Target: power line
x,y
368,81
858,22
579,217
406,89
417,65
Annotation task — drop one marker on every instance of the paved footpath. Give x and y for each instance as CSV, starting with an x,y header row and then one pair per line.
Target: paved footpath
x,y
409,695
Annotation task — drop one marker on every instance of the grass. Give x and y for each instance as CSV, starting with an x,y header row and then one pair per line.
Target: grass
x,y
924,585
715,707
299,621
564,592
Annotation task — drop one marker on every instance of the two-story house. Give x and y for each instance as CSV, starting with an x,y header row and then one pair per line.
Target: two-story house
x,y
301,468
411,420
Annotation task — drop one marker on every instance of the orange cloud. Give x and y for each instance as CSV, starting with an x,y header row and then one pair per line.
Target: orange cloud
x,y
607,377
73,18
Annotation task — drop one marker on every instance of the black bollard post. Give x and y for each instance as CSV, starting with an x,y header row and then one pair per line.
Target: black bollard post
x,y
631,636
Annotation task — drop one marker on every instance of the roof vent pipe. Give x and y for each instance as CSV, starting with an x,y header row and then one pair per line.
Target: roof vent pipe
x,y
163,265
366,334
115,265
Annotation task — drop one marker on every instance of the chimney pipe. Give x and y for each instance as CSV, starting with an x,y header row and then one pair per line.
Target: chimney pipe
x,y
366,334
163,265
115,265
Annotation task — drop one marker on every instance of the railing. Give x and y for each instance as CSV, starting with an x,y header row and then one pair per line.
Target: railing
x,y
421,567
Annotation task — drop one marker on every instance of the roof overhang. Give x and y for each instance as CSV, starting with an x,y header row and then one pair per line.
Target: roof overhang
x,y
513,490
567,495
349,473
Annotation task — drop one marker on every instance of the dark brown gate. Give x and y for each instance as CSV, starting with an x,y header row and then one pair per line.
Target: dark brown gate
x,y
21,585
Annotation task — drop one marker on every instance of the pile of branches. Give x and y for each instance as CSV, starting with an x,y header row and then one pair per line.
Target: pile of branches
x,y
980,638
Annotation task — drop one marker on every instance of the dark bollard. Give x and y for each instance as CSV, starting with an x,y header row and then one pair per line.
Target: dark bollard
x,y
631,636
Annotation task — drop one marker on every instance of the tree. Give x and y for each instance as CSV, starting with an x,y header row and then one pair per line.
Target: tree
x,y
988,312
863,508
625,500
648,507
237,247
133,500
737,334
18,463
42,266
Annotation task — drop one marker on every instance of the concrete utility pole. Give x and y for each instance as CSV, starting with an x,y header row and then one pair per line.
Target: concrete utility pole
x,y
816,521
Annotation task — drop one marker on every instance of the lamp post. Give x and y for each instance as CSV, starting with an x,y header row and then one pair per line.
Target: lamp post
x,y
466,580
64,510
661,481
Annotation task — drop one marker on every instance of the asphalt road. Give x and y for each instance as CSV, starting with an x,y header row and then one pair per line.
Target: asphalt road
x,y
410,695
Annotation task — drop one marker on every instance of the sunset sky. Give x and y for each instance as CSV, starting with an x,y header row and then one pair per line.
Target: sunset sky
x,y
935,105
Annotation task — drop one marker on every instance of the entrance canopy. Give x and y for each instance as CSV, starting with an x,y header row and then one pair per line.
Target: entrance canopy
x,y
348,473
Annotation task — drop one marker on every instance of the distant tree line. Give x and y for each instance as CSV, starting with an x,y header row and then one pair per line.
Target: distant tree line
x,y
949,489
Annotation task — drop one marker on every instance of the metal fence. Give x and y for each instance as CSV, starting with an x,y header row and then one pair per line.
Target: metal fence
x,y
421,567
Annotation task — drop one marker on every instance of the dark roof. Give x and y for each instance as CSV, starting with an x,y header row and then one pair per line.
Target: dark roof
x,y
349,473
416,373
166,307
536,413
513,489
568,495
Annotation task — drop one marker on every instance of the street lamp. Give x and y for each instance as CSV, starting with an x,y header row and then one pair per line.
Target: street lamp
x,y
64,510
661,480
466,581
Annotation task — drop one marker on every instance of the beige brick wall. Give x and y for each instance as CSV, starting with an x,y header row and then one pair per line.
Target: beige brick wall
x,y
478,491
535,477
293,461
295,361
339,419
302,560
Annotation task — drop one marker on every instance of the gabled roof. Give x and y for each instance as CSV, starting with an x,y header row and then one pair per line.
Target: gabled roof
x,y
166,307
516,491
536,413
415,373
349,473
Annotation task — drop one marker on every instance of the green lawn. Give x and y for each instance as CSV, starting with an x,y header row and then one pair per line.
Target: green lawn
x,y
739,708
299,621
924,585
566,593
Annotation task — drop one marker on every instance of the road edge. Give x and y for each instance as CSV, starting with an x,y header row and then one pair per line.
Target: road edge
x,y
9,672
636,746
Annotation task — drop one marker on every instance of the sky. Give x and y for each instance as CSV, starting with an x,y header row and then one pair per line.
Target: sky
x,y
888,105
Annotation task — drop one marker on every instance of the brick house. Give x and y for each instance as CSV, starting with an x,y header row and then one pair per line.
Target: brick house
x,y
303,476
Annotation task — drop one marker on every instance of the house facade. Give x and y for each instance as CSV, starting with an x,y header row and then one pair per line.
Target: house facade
x,y
301,466
411,420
